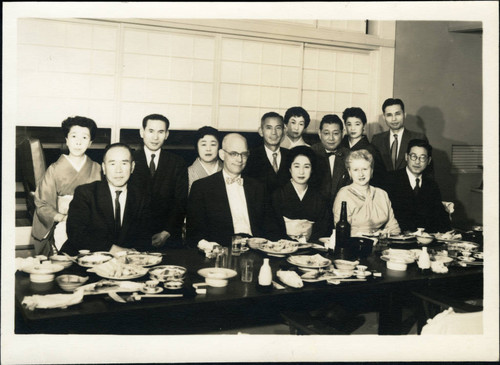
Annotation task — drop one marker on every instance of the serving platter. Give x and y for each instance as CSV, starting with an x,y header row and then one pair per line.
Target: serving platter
x,y
281,249
143,259
93,258
118,271
311,262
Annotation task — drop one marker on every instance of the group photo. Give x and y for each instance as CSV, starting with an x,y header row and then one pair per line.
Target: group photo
x,y
198,185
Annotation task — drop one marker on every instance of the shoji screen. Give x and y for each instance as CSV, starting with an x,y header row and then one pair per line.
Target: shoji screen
x,y
257,77
65,68
334,80
170,73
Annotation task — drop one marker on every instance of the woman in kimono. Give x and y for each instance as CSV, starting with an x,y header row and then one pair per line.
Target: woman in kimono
x,y
207,162
368,208
354,140
300,208
55,191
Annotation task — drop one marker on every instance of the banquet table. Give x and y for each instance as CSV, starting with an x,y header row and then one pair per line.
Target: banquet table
x,y
235,306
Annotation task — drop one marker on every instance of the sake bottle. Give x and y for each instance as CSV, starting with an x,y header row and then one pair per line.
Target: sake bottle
x,y
342,230
424,260
265,274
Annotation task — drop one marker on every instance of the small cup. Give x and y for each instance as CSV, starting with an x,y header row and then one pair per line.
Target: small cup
x,y
247,271
151,284
466,253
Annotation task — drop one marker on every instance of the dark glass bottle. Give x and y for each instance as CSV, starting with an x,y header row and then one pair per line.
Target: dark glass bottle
x,y
342,231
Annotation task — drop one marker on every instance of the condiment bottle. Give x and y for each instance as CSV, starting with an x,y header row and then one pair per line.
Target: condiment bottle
x,y
424,260
342,229
265,274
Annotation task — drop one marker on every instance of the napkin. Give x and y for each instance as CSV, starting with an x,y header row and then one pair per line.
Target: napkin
x,y
207,247
298,227
22,263
290,278
53,300
438,267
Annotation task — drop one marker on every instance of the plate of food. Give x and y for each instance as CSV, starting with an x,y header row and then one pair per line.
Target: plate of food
x,y
450,236
92,259
309,261
118,270
143,259
279,248
401,238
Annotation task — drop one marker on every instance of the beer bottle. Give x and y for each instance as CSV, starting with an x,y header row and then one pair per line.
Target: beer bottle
x,y
342,230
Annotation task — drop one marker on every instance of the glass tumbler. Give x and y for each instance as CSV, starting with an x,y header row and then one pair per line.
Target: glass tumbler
x,y
247,271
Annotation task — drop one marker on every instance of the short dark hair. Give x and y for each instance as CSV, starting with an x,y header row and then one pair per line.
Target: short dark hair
x,y
300,150
115,145
155,117
270,115
331,119
391,101
297,111
81,122
205,131
419,143
354,112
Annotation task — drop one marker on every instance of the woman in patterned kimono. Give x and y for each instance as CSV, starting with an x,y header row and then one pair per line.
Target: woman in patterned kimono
x,y
55,190
207,163
299,207
368,208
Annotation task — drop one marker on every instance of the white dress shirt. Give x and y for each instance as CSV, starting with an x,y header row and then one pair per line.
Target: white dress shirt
x,y
238,206
413,178
269,154
400,137
122,199
331,159
148,153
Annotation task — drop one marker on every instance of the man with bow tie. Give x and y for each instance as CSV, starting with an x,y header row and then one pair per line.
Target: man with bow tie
x,y
226,203
331,158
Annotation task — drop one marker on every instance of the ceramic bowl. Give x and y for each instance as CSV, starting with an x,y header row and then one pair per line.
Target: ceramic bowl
x,y
424,240
71,282
61,260
255,242
216,276
397,265
345,265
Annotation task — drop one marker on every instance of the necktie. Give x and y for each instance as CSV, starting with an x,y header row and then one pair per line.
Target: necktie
x,y
417,186
118,219
275,162
238,180
334,153
394,151
152,166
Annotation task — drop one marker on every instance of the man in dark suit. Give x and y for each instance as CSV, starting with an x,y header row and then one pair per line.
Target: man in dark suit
x,y
164,176
393,143
109,215
267,163
225,204
331,157
416,199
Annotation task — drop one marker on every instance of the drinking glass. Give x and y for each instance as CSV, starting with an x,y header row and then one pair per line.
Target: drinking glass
x,y
247,270
221,257
236,245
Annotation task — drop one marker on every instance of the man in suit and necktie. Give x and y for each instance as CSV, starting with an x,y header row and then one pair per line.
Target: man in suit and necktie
x,y
267,163
110,215
416,199
331,158
393,143
225,203
164,176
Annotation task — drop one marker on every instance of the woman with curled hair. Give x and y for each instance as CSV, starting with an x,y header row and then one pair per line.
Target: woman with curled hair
x,y
298,205
207,163
368,208
55,191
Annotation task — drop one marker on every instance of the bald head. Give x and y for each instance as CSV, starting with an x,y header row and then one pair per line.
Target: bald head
x,y
234,153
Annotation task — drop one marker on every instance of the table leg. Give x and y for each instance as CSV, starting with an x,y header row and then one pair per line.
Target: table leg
x,y
391,314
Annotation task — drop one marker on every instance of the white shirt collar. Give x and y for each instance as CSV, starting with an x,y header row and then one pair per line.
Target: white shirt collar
x,y
148,153
114,188
413,178
226,175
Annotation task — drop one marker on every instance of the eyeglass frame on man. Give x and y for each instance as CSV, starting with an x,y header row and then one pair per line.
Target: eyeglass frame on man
x,y
414,157
234,154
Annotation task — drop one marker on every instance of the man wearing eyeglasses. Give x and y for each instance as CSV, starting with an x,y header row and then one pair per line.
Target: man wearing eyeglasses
x,y
226,203
415,197
267,163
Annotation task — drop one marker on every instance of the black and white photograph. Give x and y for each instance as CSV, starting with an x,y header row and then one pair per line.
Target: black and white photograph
x,y
249,182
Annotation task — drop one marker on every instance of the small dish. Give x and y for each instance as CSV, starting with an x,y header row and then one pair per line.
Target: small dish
x,y
173,285
362,274
148,290
61,260
467,259
255,242
397,265
423,239
345,265
71,282
479,255
217,276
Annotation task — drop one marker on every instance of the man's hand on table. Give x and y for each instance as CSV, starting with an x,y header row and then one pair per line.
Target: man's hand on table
x,y
159,239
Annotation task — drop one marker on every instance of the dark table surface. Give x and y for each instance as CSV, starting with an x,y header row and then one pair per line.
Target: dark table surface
x,y
234,306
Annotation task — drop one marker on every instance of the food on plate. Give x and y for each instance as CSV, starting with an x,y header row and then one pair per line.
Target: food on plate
x,y
450,235
142,259
309,261
95,258
281,246
167,272
118,270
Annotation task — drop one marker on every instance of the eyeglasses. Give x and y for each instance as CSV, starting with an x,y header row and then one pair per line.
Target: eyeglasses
x,y
234,154
421,158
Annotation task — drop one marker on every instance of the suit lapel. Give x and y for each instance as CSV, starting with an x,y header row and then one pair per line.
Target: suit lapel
x,y
386,152
105,204
225,209
338,172
249,197
128,213
402,150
